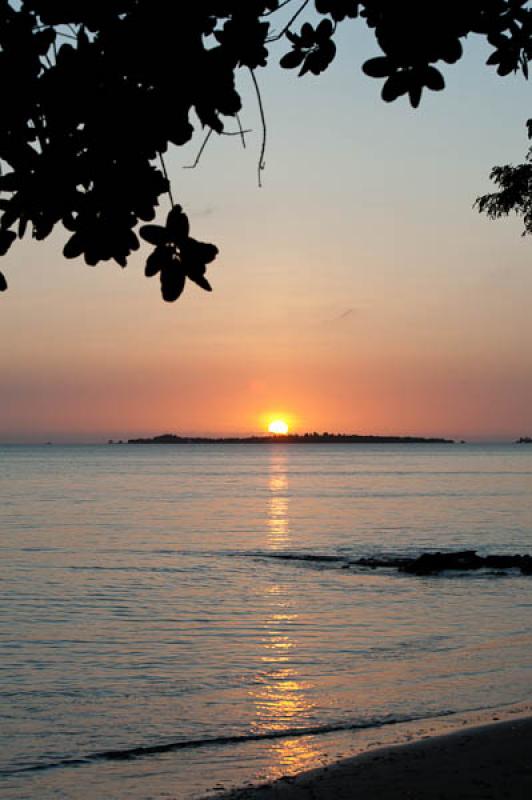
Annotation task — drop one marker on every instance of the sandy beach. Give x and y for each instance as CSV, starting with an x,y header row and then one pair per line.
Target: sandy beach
x,y
493,761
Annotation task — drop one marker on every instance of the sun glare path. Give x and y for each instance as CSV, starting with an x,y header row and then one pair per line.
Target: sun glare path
x,y
278,426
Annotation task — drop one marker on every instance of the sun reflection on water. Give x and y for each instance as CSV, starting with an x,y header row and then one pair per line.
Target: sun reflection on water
x,y
278,528
281,695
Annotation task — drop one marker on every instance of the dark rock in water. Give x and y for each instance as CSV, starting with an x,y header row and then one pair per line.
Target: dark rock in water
x,y
434,563
526,565
429,563
504,562
375,562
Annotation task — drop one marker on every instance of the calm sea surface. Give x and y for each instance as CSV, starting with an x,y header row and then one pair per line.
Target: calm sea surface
x,y
153,645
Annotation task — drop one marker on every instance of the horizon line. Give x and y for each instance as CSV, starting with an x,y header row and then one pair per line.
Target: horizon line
x,y
105,438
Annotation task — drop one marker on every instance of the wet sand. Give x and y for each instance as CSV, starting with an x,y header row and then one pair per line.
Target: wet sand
x,y
493,761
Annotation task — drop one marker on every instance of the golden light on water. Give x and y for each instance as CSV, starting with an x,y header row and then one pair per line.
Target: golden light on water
x,y
278,527
278,426
281,694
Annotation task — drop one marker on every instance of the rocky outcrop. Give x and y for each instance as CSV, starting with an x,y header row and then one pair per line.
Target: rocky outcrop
x,y
463,560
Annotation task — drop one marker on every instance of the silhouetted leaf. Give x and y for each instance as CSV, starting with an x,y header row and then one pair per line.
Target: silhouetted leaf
x,y
9,182
161,258
414,94
154,234
338,9
452,51
200,252
132,241
319,58
172,284
11,211
293,37
324,30
377,67
74,247
200,280
434,79
292,59
494,58
22,225
6,240
506,66
177,225
181,132
307,35
395,86
43,40
3,282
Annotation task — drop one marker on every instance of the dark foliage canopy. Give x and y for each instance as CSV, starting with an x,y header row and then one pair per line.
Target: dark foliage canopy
x,y
94,94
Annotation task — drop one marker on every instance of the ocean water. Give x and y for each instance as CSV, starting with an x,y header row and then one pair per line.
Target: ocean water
x,y
153,644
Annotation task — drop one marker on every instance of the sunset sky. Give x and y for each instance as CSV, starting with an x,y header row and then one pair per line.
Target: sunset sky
x,y
357,291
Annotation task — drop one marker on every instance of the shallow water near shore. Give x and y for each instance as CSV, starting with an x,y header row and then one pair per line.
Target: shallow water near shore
x,y
155,645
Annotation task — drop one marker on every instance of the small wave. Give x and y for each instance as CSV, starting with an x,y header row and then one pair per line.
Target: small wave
x,y
286,556
124,568
456,563
143,751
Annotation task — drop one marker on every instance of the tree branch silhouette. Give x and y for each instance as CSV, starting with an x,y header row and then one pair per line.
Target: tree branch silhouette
x,y
94,95
260,165
200,151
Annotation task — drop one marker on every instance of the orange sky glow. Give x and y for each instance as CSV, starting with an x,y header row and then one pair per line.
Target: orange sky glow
x,y
356,292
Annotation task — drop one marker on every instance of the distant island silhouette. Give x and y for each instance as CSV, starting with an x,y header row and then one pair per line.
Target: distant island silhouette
x,y
292,438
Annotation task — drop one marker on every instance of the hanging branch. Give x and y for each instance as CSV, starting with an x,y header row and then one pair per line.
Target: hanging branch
x,y
58,32
163,165
241,131
200,152
288,24
275,10
45,61
260,166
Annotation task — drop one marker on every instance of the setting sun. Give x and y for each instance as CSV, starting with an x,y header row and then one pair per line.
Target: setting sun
x,y
278,426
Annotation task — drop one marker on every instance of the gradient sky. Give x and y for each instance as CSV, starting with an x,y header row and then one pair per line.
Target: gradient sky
x,y
357,291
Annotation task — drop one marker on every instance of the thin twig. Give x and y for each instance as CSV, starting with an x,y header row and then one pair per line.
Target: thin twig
x,y
236,133
66,35
200,153
58,33
275,10
241,131
287,26
263,123
163,165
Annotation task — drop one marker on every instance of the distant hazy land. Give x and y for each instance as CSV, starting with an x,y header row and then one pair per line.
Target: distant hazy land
x,y
292,438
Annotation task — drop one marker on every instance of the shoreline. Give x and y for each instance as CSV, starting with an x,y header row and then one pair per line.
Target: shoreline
x,y
289,438
481,759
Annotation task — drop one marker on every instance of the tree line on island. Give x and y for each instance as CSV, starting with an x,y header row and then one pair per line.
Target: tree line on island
x,y
291,438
